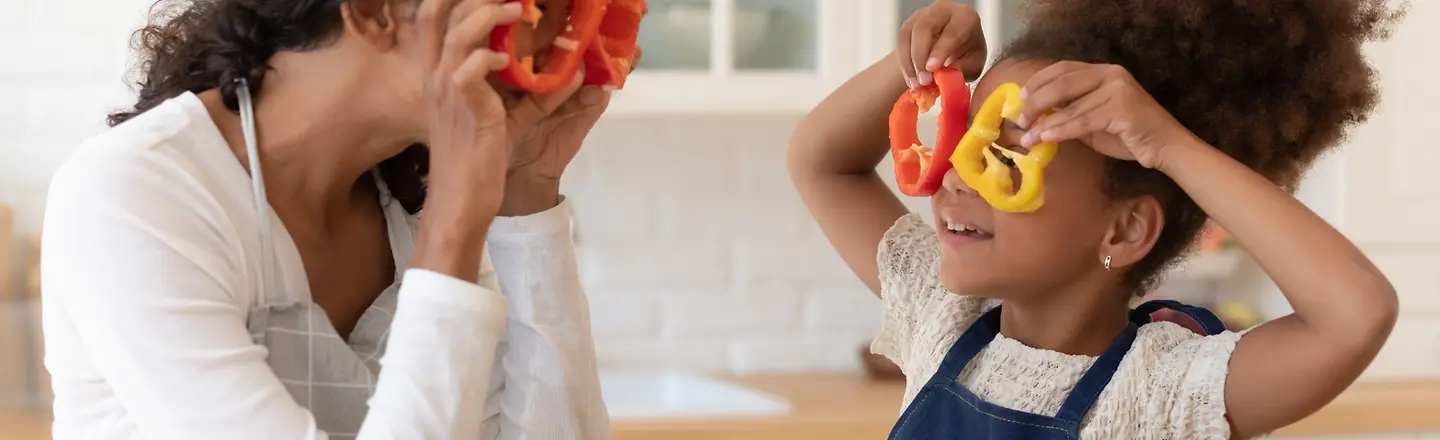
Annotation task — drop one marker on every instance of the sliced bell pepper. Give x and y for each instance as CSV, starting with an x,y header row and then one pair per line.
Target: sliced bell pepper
x,y
599,33
992,178
566,54
917,173
611,57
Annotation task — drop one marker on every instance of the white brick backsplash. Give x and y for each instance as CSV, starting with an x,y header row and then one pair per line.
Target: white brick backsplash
x,y
700,354
627,263
836,352
752,313
622,314
842,309
803,263
700,215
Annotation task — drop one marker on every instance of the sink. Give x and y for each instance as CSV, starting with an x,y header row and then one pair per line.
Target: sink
x,y
639,395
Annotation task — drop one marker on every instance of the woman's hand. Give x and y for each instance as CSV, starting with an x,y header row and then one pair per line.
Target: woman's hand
x,y
469,147
942,34
1102,106
548,130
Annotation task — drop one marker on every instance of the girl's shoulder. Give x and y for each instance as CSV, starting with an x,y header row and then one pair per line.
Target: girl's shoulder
x,y
1171,384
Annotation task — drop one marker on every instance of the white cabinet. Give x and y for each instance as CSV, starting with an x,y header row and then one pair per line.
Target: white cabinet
x,y
1390,193
705,57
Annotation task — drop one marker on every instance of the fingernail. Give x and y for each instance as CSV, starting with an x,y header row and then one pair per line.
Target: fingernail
x,y
513,7
950,62
933,64
1027,140
1022,121
1024,94
923,77
591,95
909,82
1047,136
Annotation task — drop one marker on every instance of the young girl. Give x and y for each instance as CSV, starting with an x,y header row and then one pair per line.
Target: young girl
x,y
1168,113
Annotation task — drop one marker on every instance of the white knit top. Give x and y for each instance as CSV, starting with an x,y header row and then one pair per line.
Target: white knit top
x,y
1170,385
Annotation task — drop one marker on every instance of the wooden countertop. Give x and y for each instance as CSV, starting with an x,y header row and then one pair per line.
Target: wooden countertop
x,y
849,406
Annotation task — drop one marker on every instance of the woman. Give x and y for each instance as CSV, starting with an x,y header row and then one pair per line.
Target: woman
x,y
178,307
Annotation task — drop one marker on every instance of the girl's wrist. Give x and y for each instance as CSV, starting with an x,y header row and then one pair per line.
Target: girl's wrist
x,y
1183,151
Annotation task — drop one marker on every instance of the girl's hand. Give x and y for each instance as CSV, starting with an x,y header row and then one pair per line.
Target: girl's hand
x,y
942,34
1102,106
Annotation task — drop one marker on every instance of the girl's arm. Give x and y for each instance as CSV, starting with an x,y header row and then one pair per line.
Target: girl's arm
x,y
551,384
1291,367
833,155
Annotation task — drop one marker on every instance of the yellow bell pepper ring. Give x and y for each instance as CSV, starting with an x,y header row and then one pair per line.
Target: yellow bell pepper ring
x,y
986,173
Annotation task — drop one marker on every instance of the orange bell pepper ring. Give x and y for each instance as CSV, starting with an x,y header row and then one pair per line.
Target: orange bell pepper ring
x,y
992,178
917,173
599,33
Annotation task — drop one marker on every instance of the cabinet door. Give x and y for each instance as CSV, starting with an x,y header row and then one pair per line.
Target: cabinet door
x,y
740,56
1391,203
1394,194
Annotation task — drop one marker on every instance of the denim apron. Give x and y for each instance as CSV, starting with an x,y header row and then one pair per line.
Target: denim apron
x,y
944,409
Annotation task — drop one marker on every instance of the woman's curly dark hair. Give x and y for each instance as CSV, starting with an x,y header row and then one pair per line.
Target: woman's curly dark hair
x,y
199,45
1272,83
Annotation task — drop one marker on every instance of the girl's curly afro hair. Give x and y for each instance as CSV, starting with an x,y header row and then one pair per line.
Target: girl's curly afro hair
x,y
1272,83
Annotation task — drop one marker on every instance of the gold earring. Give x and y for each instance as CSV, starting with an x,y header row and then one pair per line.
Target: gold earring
x,y
1107,263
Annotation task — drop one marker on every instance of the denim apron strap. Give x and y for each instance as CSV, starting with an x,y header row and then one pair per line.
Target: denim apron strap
x,y
1207,320
1088,389
970,343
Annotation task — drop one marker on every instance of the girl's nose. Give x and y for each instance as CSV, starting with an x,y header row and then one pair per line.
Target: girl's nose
x,y
954,185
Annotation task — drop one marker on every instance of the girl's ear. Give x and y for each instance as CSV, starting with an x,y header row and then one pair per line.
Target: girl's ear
x,y
1133,232
372,21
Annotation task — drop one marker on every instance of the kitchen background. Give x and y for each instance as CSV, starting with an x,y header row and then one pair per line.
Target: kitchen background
x,y
698,256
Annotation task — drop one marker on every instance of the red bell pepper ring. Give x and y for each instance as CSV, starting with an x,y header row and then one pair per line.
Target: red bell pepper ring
x,y
917,172
611,57
599,33
566,54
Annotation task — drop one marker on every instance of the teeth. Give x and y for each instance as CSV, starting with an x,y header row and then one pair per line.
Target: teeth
x,y
961,227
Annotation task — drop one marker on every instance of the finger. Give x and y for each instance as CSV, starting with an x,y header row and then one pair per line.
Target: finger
x,y
1074,128
472,72
954,39
922,40
907,66
432,18
635,62
475,27
534,108
1056,91
1079,108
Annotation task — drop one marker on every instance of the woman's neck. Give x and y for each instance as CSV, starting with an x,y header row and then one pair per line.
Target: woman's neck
x,y
1072,322
315,141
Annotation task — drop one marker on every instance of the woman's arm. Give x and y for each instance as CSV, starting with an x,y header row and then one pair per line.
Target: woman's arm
x,y
1289,368
552,386
151,293
832,159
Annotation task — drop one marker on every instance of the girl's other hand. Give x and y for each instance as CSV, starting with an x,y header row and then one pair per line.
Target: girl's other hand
x,y
1102,106
942,34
